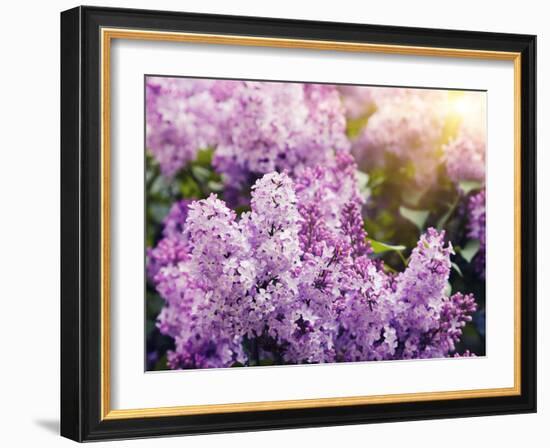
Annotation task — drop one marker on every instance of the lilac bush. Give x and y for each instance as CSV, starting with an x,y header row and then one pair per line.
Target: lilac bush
x,y
256,127
260,195
300,288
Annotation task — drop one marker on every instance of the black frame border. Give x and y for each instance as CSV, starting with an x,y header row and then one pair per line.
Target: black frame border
x,y
81,223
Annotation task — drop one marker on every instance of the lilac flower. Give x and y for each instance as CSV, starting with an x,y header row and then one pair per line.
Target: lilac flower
x,y
466,354
329,187
292,280
465,157
168,251
172,248
365,313
411,315
173,223
456,311
464,154
407,124
420,297
476,229
279,127
255,127
182,116
425,278
204,354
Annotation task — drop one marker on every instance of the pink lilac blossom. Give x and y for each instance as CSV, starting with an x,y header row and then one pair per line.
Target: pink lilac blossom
x,y
476,229
407,124
283,282
465,157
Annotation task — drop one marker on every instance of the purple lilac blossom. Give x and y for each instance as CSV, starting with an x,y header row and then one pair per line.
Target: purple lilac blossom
x,y
173,223
476,229
171,248
427,321
465,157
464,154
409,125
183,116
279,127
255,127
292,280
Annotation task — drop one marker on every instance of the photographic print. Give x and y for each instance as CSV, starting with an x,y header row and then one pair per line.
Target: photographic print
x,y
298,209
300,223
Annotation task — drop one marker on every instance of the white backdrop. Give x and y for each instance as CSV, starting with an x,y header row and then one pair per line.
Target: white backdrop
x,y
29,186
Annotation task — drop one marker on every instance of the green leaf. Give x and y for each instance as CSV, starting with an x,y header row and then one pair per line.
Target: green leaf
x,y
448,289
189,188
469,185
161,363
379,247
158,185
469,251
354,126
443,220
201,174
412,196
457,269
417,217
376,178
363,184
158,211
215,186
408,170
204,157
266,362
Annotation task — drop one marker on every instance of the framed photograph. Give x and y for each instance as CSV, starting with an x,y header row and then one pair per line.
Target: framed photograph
x,y
275,224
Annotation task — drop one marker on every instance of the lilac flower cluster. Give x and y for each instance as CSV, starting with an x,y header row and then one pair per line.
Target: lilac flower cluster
x,y
279,127
294,280
256,127
476,229
183,116
409,125
465,157
171,248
